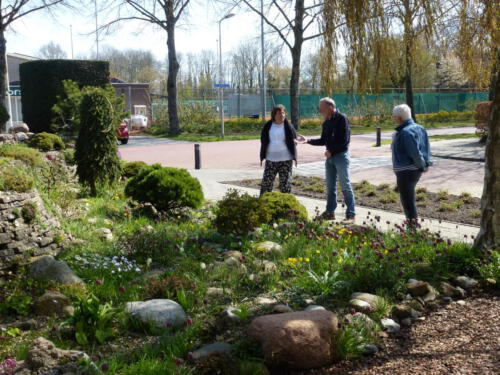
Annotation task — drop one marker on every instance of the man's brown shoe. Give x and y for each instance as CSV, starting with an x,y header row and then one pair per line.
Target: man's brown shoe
x,y
327,216
349,220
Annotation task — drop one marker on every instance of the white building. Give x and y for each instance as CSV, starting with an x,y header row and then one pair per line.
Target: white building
x,y
13,62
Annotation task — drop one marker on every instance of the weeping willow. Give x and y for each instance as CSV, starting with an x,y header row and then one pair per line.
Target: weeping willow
x,y
478,41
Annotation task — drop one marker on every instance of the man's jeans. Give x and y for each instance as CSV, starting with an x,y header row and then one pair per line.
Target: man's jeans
x,y
338,166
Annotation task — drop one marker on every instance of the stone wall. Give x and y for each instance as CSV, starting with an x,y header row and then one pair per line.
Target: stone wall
x,y
22,234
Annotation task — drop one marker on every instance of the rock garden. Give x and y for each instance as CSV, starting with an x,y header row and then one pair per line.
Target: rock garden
x,y
148,278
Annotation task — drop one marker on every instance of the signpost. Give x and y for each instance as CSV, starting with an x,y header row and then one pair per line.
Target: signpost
x,y
14,91
222,85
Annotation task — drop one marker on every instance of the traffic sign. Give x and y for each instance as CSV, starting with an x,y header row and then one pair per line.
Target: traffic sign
x,y
222,85
14,91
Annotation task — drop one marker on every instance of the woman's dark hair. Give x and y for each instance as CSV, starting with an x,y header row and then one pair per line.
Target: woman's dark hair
x,y
276,109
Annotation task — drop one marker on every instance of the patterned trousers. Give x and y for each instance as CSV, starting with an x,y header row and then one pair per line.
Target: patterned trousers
x,y
284,169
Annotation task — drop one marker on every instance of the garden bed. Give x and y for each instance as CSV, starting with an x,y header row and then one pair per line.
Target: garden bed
x,y
464,208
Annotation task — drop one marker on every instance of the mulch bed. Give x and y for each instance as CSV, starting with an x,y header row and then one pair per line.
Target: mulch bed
x,y
454,340
451,209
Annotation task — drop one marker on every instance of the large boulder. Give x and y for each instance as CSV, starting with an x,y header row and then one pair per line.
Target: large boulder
x,y
159,312
20,127
299,340
269,247
53,303
48,269
418,288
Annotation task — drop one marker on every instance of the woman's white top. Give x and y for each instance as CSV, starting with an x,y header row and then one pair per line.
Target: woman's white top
x,y
277,150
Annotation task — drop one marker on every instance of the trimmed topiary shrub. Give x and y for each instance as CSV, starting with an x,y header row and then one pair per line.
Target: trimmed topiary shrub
x,y
165,188
96,151
283,206
42,83
46,142
132,168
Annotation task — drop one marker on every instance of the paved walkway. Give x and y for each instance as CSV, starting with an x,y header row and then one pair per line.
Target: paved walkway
x,y
214,189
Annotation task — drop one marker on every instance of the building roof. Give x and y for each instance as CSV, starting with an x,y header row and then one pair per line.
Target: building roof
x,y
21,56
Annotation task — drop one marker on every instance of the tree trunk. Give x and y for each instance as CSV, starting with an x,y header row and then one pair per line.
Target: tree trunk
x,y
489,234
294,86
173,70
296,50
3,71
408,76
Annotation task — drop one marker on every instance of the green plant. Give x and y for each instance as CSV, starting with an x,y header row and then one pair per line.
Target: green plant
x,y
16,179
92,320
421,197
421,190
242,312
4,115
132,168
69,156
326,284
29,212
165,188
384,186
96,153
466,197
388,196
19,304
46,142
25,154
283,206
354,334
475,213
443,195
447,207
239,213
42,82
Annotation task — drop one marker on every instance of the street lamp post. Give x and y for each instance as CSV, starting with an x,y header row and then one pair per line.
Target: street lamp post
x,y
221,89
263,62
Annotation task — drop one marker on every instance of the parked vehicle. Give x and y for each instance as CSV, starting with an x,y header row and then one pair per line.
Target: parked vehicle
x,y
123,134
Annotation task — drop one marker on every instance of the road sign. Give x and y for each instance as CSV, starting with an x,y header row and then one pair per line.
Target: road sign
x,y
222,85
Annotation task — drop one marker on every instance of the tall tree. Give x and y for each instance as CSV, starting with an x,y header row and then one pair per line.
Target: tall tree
x,y
293,22
489,234
11,11
51,50
164,14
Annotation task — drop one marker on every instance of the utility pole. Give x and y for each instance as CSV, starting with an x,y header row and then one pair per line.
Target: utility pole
x,y
263,63
71,38
220,83
96,32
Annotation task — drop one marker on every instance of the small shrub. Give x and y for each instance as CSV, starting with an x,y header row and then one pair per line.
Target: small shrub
x,y
46,142
25,154
29,212
283,206
352,337
15,179
17,304
466,197
239,213
69,156
388,197
421,190
475,214
165,188
131,169
443,195
384,186
447,207
166,287
421,197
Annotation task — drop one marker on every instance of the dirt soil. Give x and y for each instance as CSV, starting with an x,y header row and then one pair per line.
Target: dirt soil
x,y
314,187
454,340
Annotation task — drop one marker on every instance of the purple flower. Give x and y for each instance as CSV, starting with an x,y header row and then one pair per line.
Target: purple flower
x,y
98,282
104,367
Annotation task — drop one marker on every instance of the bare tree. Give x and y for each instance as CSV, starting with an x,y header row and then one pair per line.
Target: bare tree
x,y
293,22
164,14
51,50
11,11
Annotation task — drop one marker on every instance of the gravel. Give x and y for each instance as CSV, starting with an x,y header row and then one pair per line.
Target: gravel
x,y
455,340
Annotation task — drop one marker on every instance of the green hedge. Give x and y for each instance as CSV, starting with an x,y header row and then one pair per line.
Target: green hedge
x,y
46,142
42,82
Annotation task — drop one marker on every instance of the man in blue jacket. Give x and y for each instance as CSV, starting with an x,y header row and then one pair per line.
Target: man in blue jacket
x,y
336,136
411,156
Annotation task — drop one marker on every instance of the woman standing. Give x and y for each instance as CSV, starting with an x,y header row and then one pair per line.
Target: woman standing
x,y
278,148
411,153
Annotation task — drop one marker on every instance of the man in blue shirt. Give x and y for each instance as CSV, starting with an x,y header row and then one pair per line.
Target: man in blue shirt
x,y
336,136
411,154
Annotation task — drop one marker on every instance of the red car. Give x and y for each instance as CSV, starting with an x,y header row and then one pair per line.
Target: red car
x,y
122,133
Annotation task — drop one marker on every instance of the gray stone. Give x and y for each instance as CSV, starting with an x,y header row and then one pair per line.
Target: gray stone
x,y
265,301
216,347
466,282
402,311
461,302
53,303
448,290
372,299
20,127
369,349
359,305
213,292
314,307
265,266
44,356
230,315
269,247
159,312
430,296
390,325
233,254
418,288
48,269
21,137
406,322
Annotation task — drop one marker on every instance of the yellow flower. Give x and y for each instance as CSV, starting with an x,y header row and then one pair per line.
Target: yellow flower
x,y
386,252
318,252
306,259
339,260
301,259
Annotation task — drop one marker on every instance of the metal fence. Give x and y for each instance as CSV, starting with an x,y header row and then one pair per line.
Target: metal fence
x,y
237,104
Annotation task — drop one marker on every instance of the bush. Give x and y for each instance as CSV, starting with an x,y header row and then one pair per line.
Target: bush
x,y
443,195
239,213
283,206
131,169
15,179
42,82
4,116
29,212
165,188
46,142
389,196
25,154
96,151
69,156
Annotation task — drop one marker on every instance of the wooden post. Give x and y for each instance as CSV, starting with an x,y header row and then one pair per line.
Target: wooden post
x,y
197,157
